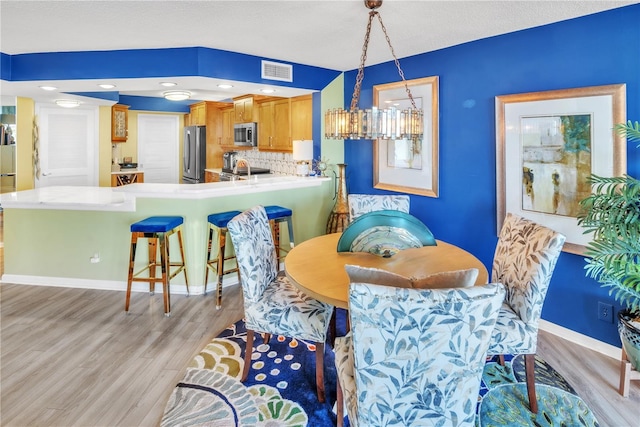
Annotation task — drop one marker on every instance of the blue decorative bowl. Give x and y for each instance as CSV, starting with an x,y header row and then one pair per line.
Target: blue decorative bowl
x,y
385,233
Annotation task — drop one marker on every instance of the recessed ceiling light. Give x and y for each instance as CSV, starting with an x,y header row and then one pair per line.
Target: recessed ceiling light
x,y
48,87
225,86
168,84
67,103
177,95
267,90
107,86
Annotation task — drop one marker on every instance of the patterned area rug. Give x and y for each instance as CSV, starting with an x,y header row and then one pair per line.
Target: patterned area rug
x,y
280,390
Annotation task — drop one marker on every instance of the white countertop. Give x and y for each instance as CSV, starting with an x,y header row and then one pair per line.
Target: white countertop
x,y
123,198
69,198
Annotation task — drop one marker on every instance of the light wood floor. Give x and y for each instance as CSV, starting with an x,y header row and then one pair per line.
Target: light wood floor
x,y
71,357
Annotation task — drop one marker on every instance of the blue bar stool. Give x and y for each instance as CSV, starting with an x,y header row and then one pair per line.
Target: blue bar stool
x,y
276,215
219,221
153,229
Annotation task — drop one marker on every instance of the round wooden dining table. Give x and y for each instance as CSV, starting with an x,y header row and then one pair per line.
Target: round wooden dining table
x,y
317,268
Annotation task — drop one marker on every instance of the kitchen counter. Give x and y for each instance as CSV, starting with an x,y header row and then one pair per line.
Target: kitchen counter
x,y
70,198
259,184
116,170
123,198
52,234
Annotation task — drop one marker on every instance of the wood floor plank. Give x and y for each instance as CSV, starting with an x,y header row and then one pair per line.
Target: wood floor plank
x,y
71,357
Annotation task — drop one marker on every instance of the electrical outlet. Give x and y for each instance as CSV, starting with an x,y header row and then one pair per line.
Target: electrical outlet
x,y
605,312
95,258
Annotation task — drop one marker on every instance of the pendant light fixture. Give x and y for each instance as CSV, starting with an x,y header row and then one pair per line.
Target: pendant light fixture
x,y
372,123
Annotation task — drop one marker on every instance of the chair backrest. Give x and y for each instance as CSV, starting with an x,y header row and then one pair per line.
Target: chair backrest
x,y
524,261
446,279
419,353
364,203
255,251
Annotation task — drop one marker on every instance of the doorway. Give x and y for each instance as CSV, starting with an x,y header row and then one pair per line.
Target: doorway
x,y
68,145
158,147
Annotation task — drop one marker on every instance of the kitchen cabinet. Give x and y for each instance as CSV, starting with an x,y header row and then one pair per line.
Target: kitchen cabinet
x,y
301,117
124,178
211,176
274,125
243,108
228,117
198,114
119,123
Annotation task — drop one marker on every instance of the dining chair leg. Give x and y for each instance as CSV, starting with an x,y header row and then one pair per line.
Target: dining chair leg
x,y
529,369
339,404
333,327
247,355
266,337
501,359
320,371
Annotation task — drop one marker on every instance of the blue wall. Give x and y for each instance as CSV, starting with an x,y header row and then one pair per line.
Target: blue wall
x,y
599,49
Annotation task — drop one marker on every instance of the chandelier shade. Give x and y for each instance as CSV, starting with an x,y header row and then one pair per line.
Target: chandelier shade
x,y
374,122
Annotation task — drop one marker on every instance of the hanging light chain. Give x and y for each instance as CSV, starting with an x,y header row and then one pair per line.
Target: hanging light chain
x,y
395,59
385,123
356,89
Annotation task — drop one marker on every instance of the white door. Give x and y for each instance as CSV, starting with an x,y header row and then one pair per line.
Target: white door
x,y
68,143
158,147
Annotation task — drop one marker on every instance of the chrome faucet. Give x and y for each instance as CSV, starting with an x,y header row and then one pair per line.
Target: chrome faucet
x,y
246,162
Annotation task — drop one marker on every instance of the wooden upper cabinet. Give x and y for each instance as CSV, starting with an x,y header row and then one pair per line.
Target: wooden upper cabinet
x,y
228,118
119,123
265,125
282,125
301,117
243,109
198,115
274,127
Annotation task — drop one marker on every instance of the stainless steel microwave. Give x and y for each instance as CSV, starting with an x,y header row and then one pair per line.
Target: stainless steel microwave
x,y
245,134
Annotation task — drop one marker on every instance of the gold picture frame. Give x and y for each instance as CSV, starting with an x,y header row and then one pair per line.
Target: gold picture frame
x,y
402,165
547,144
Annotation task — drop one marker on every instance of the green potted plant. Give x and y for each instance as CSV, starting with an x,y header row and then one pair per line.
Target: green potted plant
x,y
612,214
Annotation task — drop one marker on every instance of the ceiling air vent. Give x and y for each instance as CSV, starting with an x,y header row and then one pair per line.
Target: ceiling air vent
x,y
276,71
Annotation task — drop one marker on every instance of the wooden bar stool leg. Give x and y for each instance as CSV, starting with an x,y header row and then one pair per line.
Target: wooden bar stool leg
x,y
290,228
153,243
207,264
164,262
275,230
183,266
222,243
132,257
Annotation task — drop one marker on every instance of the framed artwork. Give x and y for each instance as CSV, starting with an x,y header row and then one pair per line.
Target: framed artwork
x,y
402,165
547,145
119,122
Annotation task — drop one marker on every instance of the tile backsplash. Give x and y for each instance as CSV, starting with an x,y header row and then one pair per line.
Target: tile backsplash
x,y
279,163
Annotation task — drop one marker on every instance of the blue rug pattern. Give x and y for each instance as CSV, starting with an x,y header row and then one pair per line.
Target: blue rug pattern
x,y
281,391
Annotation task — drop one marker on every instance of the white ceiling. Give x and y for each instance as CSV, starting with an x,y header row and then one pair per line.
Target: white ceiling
x,y
319,33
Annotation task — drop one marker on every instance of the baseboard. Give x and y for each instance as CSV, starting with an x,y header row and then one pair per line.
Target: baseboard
x,y
580,339
109,285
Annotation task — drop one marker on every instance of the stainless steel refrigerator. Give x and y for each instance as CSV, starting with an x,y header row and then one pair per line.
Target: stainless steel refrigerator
x,y
194,154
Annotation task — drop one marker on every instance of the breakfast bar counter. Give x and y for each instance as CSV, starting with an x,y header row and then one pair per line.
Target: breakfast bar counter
x,y
79,236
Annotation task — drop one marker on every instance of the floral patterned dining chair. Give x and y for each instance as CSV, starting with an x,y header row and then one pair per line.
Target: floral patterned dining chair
x,y
272,304
360,204
414,345
524,261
